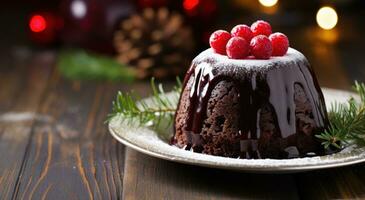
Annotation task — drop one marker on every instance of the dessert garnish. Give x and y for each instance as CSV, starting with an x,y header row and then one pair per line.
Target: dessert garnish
x,y
218,41
242,31
237,48
261,47
280,44
161,108
262,43
261,27
347,122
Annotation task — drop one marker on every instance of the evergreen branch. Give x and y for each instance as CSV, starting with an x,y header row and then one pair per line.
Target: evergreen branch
x,y
151,112
347,122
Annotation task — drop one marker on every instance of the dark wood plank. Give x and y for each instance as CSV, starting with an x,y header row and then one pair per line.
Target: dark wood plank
x,y
340,183
72,156
151,178
22,87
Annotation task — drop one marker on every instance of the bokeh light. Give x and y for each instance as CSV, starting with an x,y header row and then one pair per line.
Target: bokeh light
x,y
190,4
327,18
37,23
78,9
268,3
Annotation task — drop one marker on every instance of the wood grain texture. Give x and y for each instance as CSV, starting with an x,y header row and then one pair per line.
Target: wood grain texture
x,y
72,156
152,178
22,88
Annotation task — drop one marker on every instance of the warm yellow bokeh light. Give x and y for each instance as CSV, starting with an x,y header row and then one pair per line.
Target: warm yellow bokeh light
x,y
327,18
268,3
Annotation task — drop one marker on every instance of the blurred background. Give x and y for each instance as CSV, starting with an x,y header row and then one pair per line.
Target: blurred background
x,y
132,40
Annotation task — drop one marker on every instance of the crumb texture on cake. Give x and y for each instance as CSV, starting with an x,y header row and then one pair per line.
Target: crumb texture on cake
x,y
250,108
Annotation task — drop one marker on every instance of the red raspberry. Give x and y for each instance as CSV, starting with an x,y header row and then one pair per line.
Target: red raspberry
x,y
218,41
261,27
280,44
242,31
261,47
237,48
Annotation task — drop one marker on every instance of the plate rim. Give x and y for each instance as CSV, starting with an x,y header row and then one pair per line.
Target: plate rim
x,y
251,169
281,169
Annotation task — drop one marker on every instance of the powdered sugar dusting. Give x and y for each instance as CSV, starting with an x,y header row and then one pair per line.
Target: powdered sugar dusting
x,y
147,141
250,62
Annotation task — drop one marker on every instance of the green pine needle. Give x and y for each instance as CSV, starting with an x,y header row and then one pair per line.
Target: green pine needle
x,y
160,108
347,122
80,65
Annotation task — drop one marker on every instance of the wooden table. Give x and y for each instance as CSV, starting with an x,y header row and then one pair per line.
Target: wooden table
x,y
54,145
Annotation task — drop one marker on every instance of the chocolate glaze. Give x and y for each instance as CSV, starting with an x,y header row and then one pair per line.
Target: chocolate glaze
x,y
271,86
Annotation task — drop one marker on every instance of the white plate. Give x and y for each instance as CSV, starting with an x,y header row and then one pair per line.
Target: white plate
x,y
156,144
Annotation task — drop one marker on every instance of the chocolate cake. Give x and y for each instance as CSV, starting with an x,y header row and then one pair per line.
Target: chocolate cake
x,y
250,108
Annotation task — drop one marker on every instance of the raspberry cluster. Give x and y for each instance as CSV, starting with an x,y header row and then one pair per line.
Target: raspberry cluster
x,y
243,41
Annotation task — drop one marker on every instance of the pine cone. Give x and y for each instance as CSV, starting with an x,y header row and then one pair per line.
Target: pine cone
x,y
156,43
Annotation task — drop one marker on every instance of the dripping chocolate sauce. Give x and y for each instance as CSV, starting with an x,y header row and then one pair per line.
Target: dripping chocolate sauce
x,y
256,89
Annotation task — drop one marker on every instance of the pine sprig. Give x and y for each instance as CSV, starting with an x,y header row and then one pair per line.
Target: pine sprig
x,y
347,122
151,112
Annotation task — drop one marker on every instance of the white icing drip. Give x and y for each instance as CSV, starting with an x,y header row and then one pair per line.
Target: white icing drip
x,y
281,104
312,96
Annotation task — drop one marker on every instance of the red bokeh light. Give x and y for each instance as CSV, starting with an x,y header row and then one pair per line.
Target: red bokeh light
x,y
190,4
37,23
